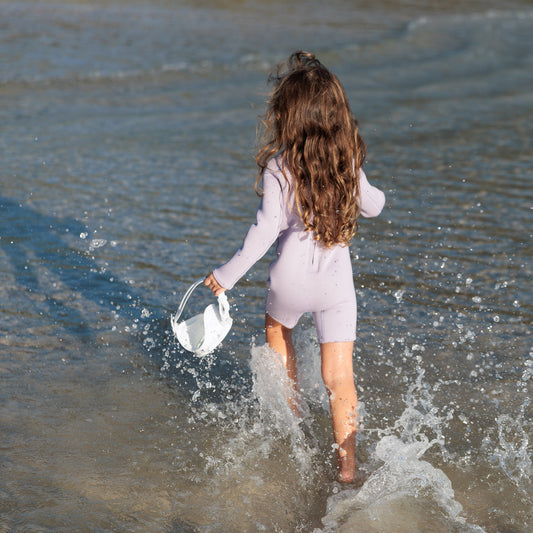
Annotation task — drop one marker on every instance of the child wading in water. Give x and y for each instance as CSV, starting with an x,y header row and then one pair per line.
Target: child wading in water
x,y
313,188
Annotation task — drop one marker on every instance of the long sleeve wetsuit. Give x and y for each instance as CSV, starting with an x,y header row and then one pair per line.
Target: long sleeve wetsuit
x,y
306,276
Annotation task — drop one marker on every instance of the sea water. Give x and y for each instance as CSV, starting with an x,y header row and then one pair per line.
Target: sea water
x,y
127,134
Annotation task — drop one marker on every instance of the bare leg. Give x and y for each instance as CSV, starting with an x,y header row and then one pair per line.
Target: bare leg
x,y
279,338
337,373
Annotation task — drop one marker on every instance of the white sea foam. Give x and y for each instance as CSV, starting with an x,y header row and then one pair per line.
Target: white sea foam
x,y
404,490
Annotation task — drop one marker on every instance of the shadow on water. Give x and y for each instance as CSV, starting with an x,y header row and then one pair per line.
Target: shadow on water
x,y
67,288
42,259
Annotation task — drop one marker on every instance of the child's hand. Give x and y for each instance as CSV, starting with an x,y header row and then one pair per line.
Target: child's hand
x,y
214,285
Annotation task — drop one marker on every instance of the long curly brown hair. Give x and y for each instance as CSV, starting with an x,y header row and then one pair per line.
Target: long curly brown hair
x,y
310,122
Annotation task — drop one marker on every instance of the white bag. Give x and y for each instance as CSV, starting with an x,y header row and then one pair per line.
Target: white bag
x,y
202,333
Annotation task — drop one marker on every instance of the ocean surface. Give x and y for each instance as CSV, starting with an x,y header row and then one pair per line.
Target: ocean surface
x,y
127,143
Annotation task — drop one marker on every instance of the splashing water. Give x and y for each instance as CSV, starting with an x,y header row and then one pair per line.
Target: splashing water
x,y
246,448
271,389
404,491
513,454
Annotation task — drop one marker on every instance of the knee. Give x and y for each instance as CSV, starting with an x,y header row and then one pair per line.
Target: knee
x,y
338,382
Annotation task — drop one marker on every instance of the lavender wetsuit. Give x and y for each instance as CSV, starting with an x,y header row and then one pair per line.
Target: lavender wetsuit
x,y
306,276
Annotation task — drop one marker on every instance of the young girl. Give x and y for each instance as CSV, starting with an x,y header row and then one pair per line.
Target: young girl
x,y
313,189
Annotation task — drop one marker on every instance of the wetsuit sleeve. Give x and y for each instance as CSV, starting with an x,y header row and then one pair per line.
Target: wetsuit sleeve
x,y
260,236
372,199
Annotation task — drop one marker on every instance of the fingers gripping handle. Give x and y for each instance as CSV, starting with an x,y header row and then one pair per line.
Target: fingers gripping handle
x,y
223,304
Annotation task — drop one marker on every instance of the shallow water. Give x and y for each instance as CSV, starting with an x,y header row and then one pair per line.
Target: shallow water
x,y
127,141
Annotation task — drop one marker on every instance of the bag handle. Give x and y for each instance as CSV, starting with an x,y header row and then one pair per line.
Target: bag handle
x,y
223,304
186,297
